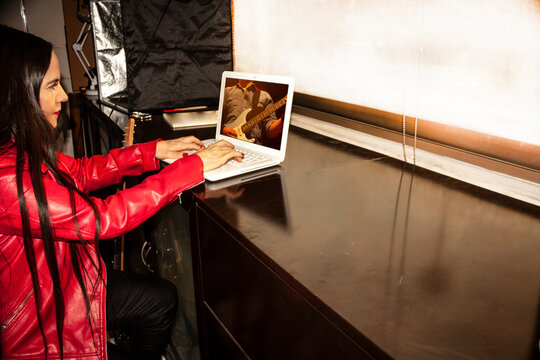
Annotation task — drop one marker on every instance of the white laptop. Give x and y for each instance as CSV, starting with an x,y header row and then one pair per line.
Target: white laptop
x,y
258,109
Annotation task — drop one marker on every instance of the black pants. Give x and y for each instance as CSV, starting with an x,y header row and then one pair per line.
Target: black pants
x,y
142,309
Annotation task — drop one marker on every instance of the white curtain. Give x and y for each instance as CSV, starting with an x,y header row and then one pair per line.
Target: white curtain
x,y
473,64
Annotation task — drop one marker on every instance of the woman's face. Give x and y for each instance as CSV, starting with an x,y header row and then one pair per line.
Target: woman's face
x,y
51,93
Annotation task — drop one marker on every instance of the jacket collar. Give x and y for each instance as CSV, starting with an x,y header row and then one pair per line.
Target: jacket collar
x,y
11,143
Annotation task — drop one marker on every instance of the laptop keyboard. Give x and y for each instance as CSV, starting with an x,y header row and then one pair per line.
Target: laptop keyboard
x,y
249,157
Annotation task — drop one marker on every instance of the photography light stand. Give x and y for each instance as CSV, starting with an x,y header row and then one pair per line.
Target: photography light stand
x,y
77,48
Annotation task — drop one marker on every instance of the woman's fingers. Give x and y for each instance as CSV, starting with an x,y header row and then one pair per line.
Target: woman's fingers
x,y
191,140
218,154
173,149
213,157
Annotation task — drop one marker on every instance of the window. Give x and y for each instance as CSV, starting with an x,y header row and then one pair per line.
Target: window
x,y
468,66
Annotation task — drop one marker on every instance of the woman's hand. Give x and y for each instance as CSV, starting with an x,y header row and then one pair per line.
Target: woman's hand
x,y
173,149
218,154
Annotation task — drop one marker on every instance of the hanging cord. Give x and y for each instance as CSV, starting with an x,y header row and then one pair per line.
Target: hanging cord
x,y
415,136
404,117
419,67
414,141
405,93
404,132
404,137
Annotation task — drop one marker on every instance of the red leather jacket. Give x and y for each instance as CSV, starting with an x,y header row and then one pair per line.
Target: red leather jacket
x,y
120,213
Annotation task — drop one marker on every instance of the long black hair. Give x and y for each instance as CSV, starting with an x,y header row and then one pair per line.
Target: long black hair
x,y
24,60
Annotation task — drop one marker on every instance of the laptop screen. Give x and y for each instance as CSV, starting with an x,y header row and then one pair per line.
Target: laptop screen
x,y
255,109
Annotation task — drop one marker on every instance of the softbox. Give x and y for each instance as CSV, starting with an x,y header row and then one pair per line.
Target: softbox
x,y
109,51
175,52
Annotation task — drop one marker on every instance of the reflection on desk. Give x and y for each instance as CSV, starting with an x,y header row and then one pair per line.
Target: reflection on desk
x,y
242,194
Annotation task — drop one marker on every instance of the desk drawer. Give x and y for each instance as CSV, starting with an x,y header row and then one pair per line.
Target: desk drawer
x,y
263,314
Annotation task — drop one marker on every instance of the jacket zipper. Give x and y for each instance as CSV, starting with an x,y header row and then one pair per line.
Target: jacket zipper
x,y
70,175
17,310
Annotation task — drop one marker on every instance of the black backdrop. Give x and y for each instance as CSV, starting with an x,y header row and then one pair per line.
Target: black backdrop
x,y
175,52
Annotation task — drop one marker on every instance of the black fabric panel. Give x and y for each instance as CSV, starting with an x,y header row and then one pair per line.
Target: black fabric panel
x,y
176,52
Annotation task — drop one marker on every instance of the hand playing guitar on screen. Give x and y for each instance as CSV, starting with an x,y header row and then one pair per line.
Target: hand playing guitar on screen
x,y
229,131
274,131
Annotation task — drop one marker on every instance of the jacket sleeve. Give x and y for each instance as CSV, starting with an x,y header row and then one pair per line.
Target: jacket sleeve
x,y
119,213
99,171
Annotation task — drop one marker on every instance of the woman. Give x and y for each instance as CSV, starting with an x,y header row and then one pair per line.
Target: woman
x,y
55,301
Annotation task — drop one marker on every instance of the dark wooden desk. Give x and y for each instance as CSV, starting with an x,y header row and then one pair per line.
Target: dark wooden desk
x,y
346,254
